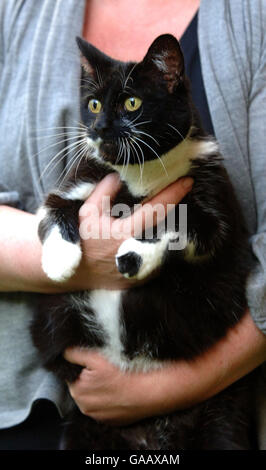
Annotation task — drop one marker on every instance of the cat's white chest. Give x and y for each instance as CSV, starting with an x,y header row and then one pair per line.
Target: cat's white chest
x,y
158,173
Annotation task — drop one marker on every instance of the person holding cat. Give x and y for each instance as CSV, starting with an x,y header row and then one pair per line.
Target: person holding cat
x,y
102,391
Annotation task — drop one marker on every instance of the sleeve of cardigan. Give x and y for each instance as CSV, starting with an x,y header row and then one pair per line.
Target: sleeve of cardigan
x,y
256,288
9,198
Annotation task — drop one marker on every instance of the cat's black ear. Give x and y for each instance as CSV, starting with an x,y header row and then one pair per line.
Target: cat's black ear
x,y
92,59
165,59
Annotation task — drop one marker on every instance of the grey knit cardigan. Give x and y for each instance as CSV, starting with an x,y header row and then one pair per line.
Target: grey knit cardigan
x,y
37,49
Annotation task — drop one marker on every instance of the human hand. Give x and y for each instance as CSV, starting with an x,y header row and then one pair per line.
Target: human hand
x,y
106,394
97,268
21,249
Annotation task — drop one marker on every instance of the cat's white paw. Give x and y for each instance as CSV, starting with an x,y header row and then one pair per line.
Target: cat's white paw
x,y
128,261
60,258
138,259
41,214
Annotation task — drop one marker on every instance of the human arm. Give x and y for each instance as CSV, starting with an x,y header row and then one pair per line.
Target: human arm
x,y
256,286
20,248
20,253
238,113
105,393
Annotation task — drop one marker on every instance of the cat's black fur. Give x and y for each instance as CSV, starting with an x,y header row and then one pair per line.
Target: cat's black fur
x,y
187,306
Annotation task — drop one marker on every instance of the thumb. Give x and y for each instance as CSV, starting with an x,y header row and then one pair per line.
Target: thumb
x,y
80,356
85,357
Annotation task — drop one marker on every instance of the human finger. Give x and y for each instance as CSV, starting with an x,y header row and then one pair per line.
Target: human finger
x,y
85,357
77,355
105,191
157,208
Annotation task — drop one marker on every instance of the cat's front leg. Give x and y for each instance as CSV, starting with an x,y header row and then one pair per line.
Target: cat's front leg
x,y
139,258
59,231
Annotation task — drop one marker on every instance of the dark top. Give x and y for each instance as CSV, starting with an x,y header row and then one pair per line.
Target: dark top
x,y
189,45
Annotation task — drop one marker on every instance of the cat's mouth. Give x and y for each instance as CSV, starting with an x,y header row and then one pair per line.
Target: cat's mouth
x,y
108,145
109,151
105,149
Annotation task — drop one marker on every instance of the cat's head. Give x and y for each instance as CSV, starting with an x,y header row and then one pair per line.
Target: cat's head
x,y
135,112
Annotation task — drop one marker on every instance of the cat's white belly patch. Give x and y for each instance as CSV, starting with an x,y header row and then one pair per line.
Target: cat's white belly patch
x,y
60,257
106,305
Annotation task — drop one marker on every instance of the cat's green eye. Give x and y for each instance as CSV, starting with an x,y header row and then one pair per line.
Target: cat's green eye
x,y
95,106
133,103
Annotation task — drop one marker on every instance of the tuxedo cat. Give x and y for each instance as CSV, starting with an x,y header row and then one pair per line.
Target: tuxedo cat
x,y
139,120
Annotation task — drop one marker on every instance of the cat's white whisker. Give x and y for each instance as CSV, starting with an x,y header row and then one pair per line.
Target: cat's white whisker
x,y
124,156
175,129
79,127
89,81
129,76
68,147
141,123
148,135
119,155
122,76
68,135
99,76
128,155
141,165
71,135
56,163
83,154
136,118
158,156
65,170
70,165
